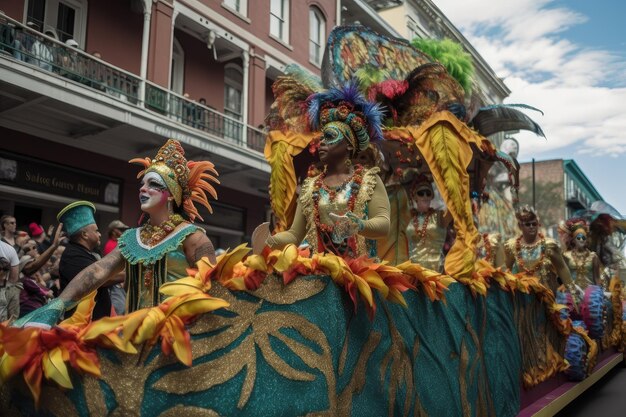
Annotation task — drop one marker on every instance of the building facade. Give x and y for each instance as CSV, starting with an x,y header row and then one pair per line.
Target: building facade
x,y
560,188
87,85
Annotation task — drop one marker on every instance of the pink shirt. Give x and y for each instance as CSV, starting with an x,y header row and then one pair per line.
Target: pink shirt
x,y
109,246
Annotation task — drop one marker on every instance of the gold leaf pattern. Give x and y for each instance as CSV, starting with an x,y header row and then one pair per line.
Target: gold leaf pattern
x,y
188,411
262,326
274,291
357,381
400,367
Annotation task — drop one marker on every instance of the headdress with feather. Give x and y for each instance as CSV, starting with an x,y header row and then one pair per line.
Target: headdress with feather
x,y
186,180
347,105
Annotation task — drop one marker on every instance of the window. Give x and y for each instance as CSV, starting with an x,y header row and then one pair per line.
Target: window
x,y
317,35
233,87
237,5
177,72
66,18
279,19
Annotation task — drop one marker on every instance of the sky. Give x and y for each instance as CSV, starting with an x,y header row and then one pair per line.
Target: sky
x,y
567,58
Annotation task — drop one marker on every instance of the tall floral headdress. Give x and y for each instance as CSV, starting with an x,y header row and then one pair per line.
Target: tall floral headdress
x,y
186,180
346,105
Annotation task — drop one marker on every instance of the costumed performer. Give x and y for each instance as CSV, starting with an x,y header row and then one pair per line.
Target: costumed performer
x,y
583,264
533,254
428,227
158,251
343,209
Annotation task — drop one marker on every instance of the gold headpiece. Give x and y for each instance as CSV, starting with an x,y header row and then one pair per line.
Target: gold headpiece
x,y
526,213
184,179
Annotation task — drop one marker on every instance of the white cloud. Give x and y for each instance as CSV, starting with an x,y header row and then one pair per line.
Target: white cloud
x,y
524,42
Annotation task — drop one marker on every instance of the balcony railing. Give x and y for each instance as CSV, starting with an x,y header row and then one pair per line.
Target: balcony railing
x,y
201,117
23,44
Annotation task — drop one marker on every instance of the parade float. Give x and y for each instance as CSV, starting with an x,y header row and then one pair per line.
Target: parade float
x,y
299,331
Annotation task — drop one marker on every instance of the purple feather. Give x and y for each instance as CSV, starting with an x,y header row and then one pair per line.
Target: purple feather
x,y
350,93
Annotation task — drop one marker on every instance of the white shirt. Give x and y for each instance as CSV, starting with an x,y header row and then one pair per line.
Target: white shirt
x,y
8,251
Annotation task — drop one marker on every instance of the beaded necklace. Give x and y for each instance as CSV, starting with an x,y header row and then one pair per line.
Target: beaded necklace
x,y
580,266
518,254
420,230
356,179
151,235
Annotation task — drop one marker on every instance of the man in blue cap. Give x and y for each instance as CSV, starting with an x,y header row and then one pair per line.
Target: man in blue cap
x,y
81,228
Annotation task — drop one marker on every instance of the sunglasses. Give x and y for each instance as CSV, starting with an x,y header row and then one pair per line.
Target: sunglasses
x,y
581,237
424,193
530,224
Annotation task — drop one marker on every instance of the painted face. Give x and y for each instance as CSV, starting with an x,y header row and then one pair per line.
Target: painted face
x,y
529,228
153,192
334,145
580,240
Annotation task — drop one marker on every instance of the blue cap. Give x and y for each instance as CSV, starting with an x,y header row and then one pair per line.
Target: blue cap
x,y
77,215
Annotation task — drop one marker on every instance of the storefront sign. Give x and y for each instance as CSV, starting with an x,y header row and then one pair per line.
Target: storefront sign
x,y
31,174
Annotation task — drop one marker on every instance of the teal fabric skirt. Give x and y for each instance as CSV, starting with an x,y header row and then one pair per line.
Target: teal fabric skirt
x,y
302,350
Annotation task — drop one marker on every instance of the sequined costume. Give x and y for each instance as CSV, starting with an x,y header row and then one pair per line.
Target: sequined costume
x,y
426,244
536,259
372,205
581,268
147,268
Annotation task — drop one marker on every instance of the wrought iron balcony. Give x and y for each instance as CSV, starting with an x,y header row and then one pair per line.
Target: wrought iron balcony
x,y
20,43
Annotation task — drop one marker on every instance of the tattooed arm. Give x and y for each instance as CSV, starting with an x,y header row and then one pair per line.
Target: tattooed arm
x,y
87,280
197,246
94,276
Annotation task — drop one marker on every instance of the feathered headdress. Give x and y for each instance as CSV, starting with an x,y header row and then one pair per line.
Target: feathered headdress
x,y
347,105
186,180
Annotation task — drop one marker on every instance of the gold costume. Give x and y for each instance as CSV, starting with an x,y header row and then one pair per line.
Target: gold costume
x,y
581,268
540,260
372,205
426,248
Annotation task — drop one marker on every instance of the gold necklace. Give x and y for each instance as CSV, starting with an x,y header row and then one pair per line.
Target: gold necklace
x,y
580,262
151,235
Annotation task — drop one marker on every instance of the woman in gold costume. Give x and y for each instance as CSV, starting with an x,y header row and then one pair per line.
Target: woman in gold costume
x,y
583,264
428,227
345,208
161,249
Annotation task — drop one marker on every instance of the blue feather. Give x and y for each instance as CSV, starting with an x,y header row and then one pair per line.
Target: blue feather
x,y
350,93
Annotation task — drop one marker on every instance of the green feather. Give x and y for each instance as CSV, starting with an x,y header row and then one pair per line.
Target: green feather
x,y
451,55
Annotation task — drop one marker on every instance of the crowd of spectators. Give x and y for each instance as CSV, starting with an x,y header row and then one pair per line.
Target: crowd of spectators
x,y
30,264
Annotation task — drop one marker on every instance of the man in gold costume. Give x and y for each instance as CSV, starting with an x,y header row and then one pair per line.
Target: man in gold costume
x,y
533,254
